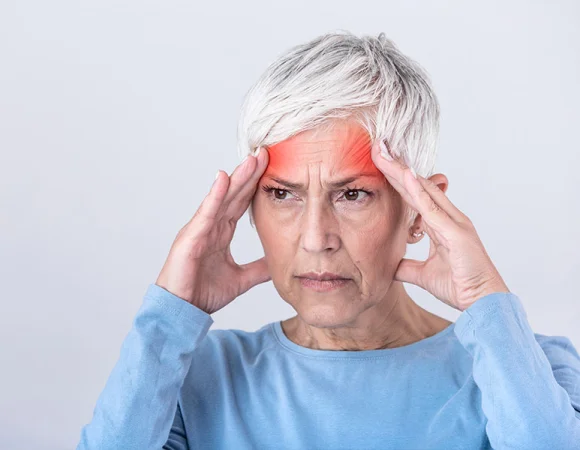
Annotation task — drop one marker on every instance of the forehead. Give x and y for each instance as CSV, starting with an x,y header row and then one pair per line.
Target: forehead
x,y
343,148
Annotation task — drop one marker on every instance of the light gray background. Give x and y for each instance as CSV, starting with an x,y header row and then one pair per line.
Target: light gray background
x,y
116,115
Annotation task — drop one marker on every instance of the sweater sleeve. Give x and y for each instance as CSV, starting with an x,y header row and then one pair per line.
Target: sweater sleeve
x,y
138,407
525,406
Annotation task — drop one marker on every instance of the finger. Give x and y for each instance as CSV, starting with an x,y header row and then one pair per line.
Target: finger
x,y
409,271
254,273
393,169
394,173
240,177
412,190
432,233
394,180
246,171
210,205
401,190
407,197
437,194
240,203
442,200
432,213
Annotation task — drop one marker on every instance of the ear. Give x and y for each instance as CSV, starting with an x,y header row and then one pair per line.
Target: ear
x,y
440,180
415,227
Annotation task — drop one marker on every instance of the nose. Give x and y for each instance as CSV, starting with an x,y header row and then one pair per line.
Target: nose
x,y
319,228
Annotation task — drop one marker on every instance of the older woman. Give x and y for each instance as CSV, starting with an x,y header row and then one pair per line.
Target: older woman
x,y
345,129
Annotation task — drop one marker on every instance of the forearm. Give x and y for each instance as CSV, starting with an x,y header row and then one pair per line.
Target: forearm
x,y
524,404
138,404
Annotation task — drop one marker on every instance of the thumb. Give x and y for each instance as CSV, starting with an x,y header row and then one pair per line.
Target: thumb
x,y
254,273
409,271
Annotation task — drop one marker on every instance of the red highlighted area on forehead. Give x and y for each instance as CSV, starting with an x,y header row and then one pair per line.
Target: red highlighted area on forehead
x,y
341,152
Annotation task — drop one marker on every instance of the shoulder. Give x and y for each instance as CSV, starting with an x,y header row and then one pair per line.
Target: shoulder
x,y
235,345
565,362
224,360
223,366
560,352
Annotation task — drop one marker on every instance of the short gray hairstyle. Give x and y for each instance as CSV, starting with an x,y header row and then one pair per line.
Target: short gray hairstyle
x,y
339,75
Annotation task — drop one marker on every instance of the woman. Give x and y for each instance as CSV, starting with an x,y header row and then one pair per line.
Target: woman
x,y
346,131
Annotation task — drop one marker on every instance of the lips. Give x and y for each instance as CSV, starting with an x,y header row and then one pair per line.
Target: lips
x,y
324,276
324,281
324,285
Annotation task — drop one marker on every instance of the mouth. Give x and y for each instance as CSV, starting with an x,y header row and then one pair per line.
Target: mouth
x,y
323,282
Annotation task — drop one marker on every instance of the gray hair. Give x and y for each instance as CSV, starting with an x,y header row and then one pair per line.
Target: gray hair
x,y
339,76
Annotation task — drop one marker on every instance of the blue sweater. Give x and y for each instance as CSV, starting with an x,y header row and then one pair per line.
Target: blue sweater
x,y
486,381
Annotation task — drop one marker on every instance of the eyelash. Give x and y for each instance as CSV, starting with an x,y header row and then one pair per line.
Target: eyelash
x,y
269,189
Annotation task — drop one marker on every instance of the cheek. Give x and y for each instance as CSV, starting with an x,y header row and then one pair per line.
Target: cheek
x,y
368,249
275,242
376,251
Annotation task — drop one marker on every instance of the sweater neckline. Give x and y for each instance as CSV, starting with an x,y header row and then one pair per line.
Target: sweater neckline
x,y
285,342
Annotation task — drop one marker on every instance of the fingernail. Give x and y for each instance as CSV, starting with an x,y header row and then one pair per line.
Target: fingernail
x,y
244,160
257,151
384,151
413,172
216,175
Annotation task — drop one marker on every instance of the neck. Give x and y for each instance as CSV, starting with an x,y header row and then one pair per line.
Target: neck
x,y
394,322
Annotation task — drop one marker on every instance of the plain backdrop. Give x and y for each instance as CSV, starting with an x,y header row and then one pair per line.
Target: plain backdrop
x,y
116,115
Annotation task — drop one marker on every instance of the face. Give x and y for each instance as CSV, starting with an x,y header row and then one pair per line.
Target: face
x,y
323,206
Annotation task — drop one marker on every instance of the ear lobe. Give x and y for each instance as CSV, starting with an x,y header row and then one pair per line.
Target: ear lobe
x,y
415,227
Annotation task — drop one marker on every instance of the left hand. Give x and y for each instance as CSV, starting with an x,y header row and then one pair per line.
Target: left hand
x,y
458,270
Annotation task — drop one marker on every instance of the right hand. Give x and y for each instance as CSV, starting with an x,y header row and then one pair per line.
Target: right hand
x,y
200,268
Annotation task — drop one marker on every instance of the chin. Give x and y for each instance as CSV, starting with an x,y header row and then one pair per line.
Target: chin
x,y
325,313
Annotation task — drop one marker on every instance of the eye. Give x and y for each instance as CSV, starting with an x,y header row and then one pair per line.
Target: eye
x,y
356,195
353,194
278,195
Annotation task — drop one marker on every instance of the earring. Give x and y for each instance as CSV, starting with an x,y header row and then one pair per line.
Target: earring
x,y
418,234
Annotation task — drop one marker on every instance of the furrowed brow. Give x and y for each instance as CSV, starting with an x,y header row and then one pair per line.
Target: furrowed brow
x,y
332,184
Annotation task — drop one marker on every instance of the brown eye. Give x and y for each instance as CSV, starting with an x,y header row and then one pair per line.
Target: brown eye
x,y
282,193
276,195
351,197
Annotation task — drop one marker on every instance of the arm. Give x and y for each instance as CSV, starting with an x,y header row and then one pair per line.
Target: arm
x,y
139,402
525,406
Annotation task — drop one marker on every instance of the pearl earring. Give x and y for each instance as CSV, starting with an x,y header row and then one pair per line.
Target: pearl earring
x,y
418,234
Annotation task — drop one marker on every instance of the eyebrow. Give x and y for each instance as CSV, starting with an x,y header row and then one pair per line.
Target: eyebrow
x,y
332,184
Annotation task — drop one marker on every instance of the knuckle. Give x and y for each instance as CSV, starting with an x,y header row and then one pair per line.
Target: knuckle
x,y
466,222
232,222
